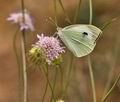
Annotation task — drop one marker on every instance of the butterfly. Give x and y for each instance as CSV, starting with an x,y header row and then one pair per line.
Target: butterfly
x,y
80,39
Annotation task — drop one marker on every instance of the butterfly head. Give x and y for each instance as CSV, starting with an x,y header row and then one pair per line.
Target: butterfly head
x,y
59,29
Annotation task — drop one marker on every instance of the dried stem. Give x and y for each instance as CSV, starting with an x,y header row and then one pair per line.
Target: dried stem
x,y
66,14
89,59
68,77
77,12
45,72
24,57
111,89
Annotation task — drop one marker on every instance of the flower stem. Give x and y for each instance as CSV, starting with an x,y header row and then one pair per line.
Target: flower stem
x,y
77,12
18,65
116,51
112,66
68,77
46,87
91,11
66,14
89,59
109,22
111,89
61,74
55,8
15,49
24,56
92,79
55,79
45,71
24,67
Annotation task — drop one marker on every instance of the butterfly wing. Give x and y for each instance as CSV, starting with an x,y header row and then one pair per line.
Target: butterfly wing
x,y
93,31
74,39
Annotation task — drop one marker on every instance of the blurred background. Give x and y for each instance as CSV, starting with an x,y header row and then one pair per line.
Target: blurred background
x,y
105,57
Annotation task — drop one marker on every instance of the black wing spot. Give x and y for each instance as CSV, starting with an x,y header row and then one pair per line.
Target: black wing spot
x,y
85,33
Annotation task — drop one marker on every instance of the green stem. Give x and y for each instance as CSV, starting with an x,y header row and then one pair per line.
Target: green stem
x,y
66,14
18,65
61,72
112,66
15,49
46,87
109,22
24,67
46,75
89,59
68,77
55,79
111,89
77,12
92,79
24,56
91,12
55,8
116,51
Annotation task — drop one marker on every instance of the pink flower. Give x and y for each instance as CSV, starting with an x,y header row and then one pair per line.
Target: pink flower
x,y
18,18
51,47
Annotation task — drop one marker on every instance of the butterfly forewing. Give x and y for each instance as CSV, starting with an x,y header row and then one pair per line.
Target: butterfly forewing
x,y
93,32
76,44
96,31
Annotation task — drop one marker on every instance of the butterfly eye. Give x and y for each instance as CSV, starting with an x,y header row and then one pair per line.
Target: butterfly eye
x,y
85,33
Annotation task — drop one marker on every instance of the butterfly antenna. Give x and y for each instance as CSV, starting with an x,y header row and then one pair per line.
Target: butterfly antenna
x,y
53,22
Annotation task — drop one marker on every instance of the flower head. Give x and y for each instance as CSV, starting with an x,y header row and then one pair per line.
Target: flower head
x,y
18,18
50,46
59,101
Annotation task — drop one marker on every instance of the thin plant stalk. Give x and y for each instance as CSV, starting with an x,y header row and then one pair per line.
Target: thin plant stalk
x,y
45,72
109,22
77,12
18,65
24,56
55,9
112,67
111,89
55,79
61,74
92,79
24,67
46,87
68,77
90,11
115,54
89,58
113,64
65,12
15,49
